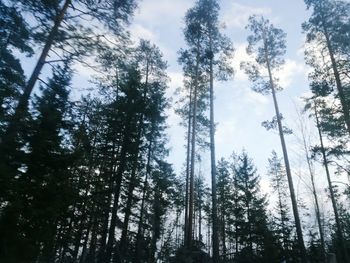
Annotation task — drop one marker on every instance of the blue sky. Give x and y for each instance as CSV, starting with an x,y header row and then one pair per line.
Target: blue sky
x,y
239,111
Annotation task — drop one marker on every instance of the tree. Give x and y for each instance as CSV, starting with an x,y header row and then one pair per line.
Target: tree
x,y
213,50
314,106
309,162
111,14
29,221
255,237
225,198
325,29
14,37
191,60
267,43
218,45
282,223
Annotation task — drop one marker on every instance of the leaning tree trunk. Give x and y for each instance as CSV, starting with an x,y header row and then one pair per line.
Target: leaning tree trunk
x,y
331,191
24,99
340,88
286,162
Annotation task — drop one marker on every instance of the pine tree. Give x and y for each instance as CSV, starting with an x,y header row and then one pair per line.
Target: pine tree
x,y
325,29
111,14
212,53
314,106
268,45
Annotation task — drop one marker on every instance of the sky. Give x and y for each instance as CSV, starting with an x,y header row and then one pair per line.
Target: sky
x,y
239,111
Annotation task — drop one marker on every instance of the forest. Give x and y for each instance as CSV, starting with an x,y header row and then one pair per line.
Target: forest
x,y
85,173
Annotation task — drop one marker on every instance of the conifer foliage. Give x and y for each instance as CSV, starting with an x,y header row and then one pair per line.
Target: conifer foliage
x,y
84,170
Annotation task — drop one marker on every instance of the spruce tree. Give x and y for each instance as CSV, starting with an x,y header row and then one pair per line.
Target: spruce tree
x,y
38,204
282,223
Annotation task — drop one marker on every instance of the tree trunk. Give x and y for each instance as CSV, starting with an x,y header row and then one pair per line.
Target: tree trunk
x,y
124,236
287,166
317,207
330,188
340,88
193,155
213,166
117,187
188,163
223,234
142,208
24,99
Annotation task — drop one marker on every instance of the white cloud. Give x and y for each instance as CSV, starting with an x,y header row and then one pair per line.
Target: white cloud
x,y
176,81
239,57
255,99
138,31
236,16
225,131
290,71
152,10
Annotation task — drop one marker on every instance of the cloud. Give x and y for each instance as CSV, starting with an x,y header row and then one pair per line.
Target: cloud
x,y
138,31
236,16
290,71
176,80
239,57
225,131
152,10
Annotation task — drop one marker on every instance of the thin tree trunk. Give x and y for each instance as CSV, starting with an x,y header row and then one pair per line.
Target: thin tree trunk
x,y
193,155
317,207
142,209
331,191
117,187
213,166
223,234
86,240
188,163
199,216
124,236
91,256
287,166
283,225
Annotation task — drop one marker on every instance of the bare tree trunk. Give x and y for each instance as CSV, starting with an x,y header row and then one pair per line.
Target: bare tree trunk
x,y
287,166
117,187
331,191
124,236
188,163
213,166
142,208
314,192
193,156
